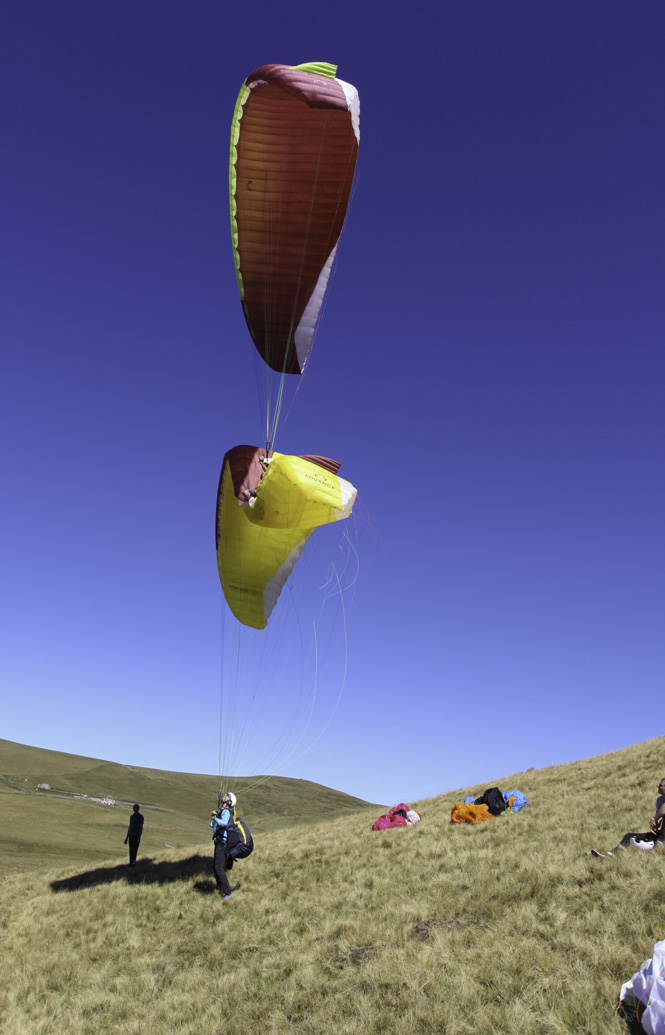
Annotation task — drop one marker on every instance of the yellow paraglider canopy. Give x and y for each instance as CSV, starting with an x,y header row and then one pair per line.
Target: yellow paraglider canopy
x,y
266,512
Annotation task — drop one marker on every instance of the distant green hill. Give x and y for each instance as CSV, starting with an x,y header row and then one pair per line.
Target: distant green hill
x,y
58,825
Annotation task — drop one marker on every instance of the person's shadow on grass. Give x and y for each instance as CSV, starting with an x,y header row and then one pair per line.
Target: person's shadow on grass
x,y
205,887
144,872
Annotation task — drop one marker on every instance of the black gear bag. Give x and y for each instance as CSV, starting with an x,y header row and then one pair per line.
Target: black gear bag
x,y
493,798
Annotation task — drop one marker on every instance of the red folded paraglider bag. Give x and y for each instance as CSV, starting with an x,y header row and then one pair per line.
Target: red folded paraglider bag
x,y
396,817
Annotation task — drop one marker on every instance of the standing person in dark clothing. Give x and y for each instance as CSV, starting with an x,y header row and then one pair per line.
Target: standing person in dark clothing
x,y
232,841
134,834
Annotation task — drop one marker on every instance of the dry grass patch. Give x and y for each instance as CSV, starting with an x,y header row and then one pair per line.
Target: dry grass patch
x,y
507,928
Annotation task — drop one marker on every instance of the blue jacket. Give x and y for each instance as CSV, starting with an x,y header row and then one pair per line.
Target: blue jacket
x,y
232,832
219,826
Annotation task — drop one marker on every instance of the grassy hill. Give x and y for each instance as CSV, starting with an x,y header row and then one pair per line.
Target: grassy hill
x,y
508,927
43,828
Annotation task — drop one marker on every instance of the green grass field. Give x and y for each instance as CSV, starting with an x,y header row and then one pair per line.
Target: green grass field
x,y
176,807
507,927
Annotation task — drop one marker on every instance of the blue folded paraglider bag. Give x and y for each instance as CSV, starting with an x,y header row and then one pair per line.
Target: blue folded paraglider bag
x,y
519,802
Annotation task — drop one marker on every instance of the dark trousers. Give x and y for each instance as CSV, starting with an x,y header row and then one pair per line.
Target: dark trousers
x,y
220,867
134,843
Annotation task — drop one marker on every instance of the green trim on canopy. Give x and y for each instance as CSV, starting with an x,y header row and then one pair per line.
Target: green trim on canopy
x,y
233,158
318,68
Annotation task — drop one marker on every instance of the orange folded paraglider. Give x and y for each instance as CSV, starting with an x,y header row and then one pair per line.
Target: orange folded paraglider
x,y
469,813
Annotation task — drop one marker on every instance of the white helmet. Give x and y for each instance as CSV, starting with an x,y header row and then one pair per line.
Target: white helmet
x,y
232,798
637,842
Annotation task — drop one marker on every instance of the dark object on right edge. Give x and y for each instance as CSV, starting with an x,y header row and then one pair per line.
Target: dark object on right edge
x,y
648,839
628,1011
493,798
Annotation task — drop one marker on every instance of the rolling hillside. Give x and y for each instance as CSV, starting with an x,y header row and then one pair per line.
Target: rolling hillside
x,y
507,928
44,827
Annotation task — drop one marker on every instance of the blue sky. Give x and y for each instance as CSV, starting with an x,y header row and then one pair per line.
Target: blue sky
x,y
489,369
